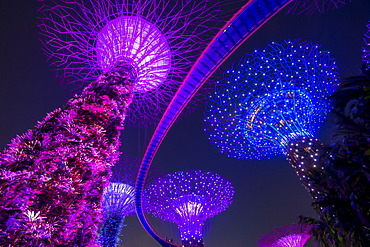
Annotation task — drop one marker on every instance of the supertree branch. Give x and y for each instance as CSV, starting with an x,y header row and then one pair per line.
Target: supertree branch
x,y
292,235
189,199
161,40
310,7
271,98
52,177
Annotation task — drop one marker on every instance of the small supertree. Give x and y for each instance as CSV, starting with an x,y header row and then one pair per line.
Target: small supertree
x,y
272,103
310,7
293,235
189,198
118,200
160,39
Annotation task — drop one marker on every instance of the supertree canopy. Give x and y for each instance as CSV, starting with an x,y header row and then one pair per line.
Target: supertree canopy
x,y
313,6
188,199
159,39
293,235
273,97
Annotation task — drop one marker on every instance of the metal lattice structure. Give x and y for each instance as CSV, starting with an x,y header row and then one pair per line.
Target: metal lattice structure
x,y
189,199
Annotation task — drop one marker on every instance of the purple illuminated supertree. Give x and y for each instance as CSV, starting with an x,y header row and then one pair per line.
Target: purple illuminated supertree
x,y
189,199
52,177
118,200
313,6
293,235
272,103
159,39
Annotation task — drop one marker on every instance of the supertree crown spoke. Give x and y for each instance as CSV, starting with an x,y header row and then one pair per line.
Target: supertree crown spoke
x,y
160,39
188,199
293,235
273,97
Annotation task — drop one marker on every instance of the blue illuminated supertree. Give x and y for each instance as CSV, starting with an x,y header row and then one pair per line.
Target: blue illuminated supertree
x,y
189,199
272,103
293,235
313,6
118,200
159,39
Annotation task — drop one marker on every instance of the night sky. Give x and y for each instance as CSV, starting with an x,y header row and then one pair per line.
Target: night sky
x,y
268,193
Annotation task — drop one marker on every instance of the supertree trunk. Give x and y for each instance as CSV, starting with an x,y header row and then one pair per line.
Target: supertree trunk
x,y
309,157
111,229
52,177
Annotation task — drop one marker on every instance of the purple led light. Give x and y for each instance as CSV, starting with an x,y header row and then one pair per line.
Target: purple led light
x,y
188,199
293,235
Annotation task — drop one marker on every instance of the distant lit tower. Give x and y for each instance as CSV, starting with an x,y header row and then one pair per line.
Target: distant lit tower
x,y
310,7
272,103
293,235
366,50
118,200
158,39
189,198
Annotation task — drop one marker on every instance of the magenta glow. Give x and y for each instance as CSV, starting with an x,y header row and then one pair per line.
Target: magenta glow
x,y
293,235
